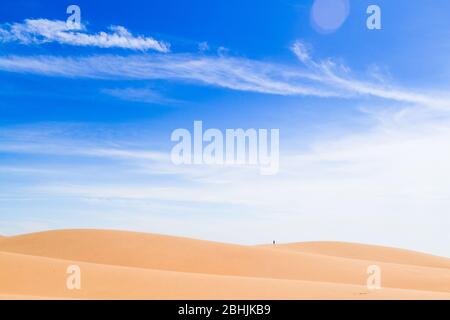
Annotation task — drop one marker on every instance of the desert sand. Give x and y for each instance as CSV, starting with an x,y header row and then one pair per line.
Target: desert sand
x,y
130,265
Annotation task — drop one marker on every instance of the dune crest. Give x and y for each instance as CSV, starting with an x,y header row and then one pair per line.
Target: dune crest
x,y
366,252
138,265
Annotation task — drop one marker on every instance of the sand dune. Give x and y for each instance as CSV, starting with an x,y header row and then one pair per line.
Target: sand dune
x,y
367,252
45,277
136,265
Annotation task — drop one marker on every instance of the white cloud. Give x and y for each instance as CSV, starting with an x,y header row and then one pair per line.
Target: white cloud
x,y
143,95
203,46
226,72
315,78
54,140
41,31
337,76
300,50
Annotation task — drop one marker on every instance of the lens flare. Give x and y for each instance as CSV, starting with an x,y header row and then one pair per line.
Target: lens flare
x,y
327,16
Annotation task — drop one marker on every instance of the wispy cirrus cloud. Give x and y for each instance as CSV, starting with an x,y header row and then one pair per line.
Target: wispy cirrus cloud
x,y
221,71
142,95
40,31
338,76
67,148
314,78
62,140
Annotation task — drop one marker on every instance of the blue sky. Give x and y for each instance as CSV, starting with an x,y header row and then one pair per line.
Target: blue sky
x,y
86,118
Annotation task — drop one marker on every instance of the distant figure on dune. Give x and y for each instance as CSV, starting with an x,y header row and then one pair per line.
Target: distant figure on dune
x,y
273,241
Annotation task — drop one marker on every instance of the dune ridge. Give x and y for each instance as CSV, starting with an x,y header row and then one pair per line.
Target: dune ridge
x,y
133,265
367,252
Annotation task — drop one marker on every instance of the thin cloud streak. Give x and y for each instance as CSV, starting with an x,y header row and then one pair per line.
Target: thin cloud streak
x,y
330,73
142,95
41,31
323,79
226,72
